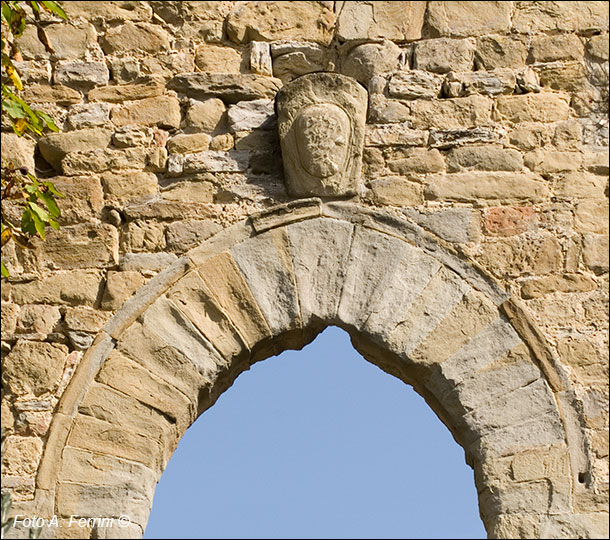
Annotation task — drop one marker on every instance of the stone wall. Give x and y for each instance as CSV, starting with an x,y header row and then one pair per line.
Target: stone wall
x,y
487,130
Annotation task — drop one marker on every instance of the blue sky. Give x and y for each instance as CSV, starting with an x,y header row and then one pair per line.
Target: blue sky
x,y
317,443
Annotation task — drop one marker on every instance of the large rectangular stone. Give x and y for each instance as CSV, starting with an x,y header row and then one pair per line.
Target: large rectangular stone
x,y
266,263
542,107
394,134
320,248
59,288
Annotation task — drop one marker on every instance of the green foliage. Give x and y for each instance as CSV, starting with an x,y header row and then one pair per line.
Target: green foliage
x,y
20,186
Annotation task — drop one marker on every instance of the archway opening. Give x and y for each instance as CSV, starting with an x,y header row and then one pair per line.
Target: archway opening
x,y
317,443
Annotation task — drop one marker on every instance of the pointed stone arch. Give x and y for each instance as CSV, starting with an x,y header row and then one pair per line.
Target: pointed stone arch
x,y
411,303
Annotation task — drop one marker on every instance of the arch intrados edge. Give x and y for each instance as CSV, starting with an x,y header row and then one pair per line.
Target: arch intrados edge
x,y
279,216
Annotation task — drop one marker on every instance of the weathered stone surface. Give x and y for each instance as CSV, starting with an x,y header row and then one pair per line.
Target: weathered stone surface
x,y
508,220
394,134
416,160
566,283
370,59
500,52
119,287
162,111
152,87
443,55
89,115
132,135
570,77
487,186
210,161
293,58
581,17
184,235
205,115
449,139
468,18
189,143
33,367
113,11
228,87
142,236
396,191
81,75
38,319
148,264
414,84
59,288
135,36
129,185
218,59
55,146
595,252
78,246
452,224
10,312
556,47
249,115
517,256
597,47
457,114
529,136
397,21
319,249
18,151
42,93
484,158
581,185
592,216
272,21
266,263
542,107
21,455
260,58
106,159
585,357
488,83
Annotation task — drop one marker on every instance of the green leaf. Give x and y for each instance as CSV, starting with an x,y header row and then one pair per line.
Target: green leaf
x,y
13,109
4,270
42,214
53,189
50,203
47,120
55,8
27,223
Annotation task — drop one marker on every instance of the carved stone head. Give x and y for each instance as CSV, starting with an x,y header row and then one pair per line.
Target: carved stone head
x,y
321,118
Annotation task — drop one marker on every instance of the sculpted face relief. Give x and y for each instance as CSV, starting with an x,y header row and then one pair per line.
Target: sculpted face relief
x,y
321,119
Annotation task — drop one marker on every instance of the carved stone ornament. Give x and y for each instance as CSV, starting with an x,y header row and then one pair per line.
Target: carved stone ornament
x,y
321,118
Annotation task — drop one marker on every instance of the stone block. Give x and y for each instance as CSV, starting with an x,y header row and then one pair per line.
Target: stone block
x,y
451,114
38,319
150,88
566,283
443,55
484,158
81,75
273,21
414,84
58,94
88,115
249,115
211,161
217,59
416,160
370,59
117,11
21,455
59,288
18,151
232,293
395,191
395,21
543,107
597,47
231,88
510,220
500,52
148,264
72,40
581,185
487,83
294,58
443,139
55,146
127,186
595,252
260,58
10,312
451,224
556,47
161,111
578,16
188,143
468,18
394,134
568,77
592,216
33,367
143,37
132,135
184,235
508,187
529,136
205,115
109,159
320,248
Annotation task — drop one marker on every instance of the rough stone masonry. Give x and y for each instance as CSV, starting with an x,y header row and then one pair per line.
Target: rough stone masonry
x,y
471,261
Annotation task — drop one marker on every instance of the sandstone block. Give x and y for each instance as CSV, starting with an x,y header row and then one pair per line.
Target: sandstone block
x,y
294,58
370,59
581,185
395,21
70,41
59,288
484,158
184,235
578,16
260,58
468,18
89,115
224,142
489,186
231,88
119,287
443,55
416,160
34,71
148,264
538,255
394,134
199,191
273,21
568,136
205,115
210,161
151,88
592,216
55,146
85,319
529,136
130,185
414,84
117,11
488,83
542,107
452,224
10,312
509,221
130,36
571,77
18,151
38,319
597,47
33,367
107,159
457,114
595,252
81,75
450,138
556,47
218,59
42,93
567,283
142,236
249,115
162,111
500,52
584,356
132,135
396,191
189,143
78,246
21,455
